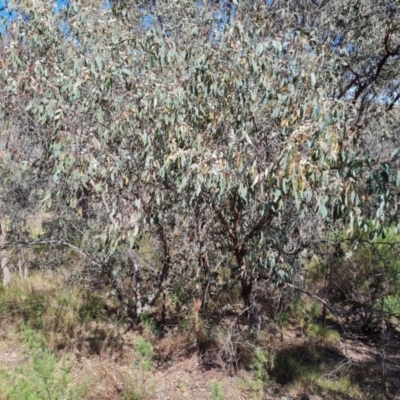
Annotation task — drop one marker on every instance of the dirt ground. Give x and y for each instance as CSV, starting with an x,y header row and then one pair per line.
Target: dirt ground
x,y
374,364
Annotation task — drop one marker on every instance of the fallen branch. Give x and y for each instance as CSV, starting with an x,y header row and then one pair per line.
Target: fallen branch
x,y
22,243
334,312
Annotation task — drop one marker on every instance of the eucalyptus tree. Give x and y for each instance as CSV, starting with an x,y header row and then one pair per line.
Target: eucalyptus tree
x,y
232,147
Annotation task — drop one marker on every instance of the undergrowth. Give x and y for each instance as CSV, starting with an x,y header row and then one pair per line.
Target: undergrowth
x,y
138,382
47,304
51,317
41,377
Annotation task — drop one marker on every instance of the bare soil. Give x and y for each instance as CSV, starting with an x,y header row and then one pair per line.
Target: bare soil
x,y
370,361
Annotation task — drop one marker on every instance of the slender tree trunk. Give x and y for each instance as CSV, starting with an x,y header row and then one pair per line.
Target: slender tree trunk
x,y
164,274
138,292
246,280
197,300
134,264
4,264
21,266
206,294
247,288
162,285
249,297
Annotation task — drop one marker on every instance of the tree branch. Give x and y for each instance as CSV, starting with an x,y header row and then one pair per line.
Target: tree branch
x,y
23,243
334,312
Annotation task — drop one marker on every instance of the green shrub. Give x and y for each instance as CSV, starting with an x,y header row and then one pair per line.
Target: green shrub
x,y
259,365
42,377
315,311
283,319
144,354
138,382
391,304
148,323
217,392
361,273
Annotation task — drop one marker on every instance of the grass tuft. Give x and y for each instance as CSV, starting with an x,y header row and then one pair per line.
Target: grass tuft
x,y
41,377
217,393
47,304
138,382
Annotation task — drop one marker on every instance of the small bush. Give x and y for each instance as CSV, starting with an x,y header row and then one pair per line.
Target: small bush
x,y
42,377
144,354
391,304
149,326
320,333
259,365
342,386
139,383
217,392
362,273
287,367
283,319
254,388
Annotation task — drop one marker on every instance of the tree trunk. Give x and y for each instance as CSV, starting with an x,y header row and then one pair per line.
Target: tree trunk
x,y
247,287
246,279
4,265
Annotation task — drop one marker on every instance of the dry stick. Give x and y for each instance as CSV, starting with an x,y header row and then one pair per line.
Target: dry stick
x,y
230,346
261,224
347,361
336,313
11,259
23,243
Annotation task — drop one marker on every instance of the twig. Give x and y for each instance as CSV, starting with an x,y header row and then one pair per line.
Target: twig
x,y
347,361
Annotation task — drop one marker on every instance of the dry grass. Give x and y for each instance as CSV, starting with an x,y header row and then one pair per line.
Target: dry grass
x,y
108,362
66,316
